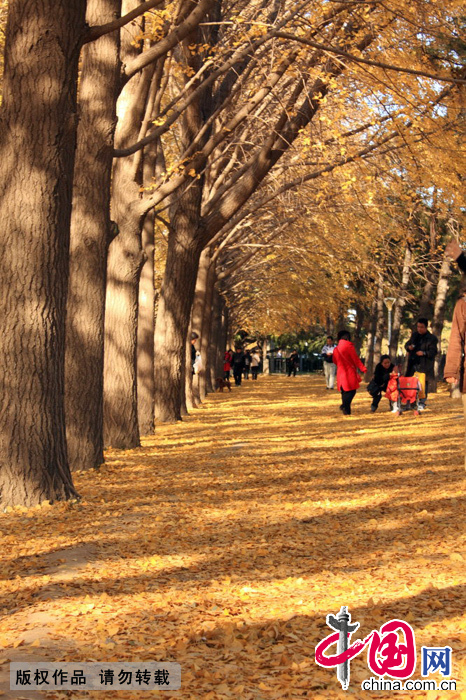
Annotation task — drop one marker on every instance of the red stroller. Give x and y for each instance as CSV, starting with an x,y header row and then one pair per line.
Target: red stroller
x,y
404,392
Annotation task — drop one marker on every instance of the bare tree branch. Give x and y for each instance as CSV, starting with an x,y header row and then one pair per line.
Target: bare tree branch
x,y
96,32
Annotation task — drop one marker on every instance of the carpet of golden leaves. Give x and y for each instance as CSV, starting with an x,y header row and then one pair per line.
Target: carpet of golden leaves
x,y
224,541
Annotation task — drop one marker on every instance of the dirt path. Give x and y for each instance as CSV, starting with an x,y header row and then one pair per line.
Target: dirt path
x,y
224,541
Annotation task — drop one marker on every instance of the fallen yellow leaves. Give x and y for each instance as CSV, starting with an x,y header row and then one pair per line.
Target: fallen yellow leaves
x,y
223,543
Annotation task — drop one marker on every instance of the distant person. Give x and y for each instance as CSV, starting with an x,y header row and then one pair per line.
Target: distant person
x,y
238,365
348,363
455,364
293,363
329,365
194,337
255,362
247,363
422,349
379,382
227,364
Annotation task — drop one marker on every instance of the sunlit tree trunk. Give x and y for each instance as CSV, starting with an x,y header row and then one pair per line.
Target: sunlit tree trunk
x,y
197,315
380,323
215,354
186,239
175,302
369,359
145,332
425,306
190,401
400,303
359,325
90,238
439,312
125,261
37,148
206,334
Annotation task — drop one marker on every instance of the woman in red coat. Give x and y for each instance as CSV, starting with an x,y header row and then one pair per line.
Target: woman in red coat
x,y
348,363
227,364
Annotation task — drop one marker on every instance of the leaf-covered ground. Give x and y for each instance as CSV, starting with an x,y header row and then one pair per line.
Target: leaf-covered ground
x,y
224,541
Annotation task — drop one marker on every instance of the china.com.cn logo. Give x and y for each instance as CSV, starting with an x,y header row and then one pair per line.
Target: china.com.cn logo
x,y
387,655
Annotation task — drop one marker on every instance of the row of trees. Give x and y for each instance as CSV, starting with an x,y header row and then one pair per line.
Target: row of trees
x,y
194,134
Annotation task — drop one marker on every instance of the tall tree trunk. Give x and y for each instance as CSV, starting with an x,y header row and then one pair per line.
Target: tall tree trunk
x,y
400,303
145,333
369,359
359,325
425,306
190,400
265,360
186,240
175,302
330,325
197,315
216,348
380,323
125,261
90,237
341,319
205,383
439,311
432,271
37,147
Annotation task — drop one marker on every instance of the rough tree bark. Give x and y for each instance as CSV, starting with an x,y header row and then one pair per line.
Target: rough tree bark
x,y
206,333
217,341
90,238
425,306
38,122
380,323
360,313
175,302
369,359
145,332
400,303
186,239
124,266
439,310
197,312
125,261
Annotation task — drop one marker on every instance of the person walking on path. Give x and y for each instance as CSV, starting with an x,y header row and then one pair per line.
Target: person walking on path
x,y
379,382
194,337
348,363
238,365
227,364
247,364
329,366
293,363
422,349
255,362
455,364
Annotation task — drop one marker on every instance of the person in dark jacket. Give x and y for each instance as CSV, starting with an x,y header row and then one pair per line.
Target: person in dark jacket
x,y
379,382
194,337
293,363
422,349
238,365
247,363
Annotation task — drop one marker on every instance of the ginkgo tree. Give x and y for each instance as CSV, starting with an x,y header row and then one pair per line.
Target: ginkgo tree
x,y
223,108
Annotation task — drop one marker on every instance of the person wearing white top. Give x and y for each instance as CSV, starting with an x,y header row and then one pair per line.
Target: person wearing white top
x,y
329,367
255,362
